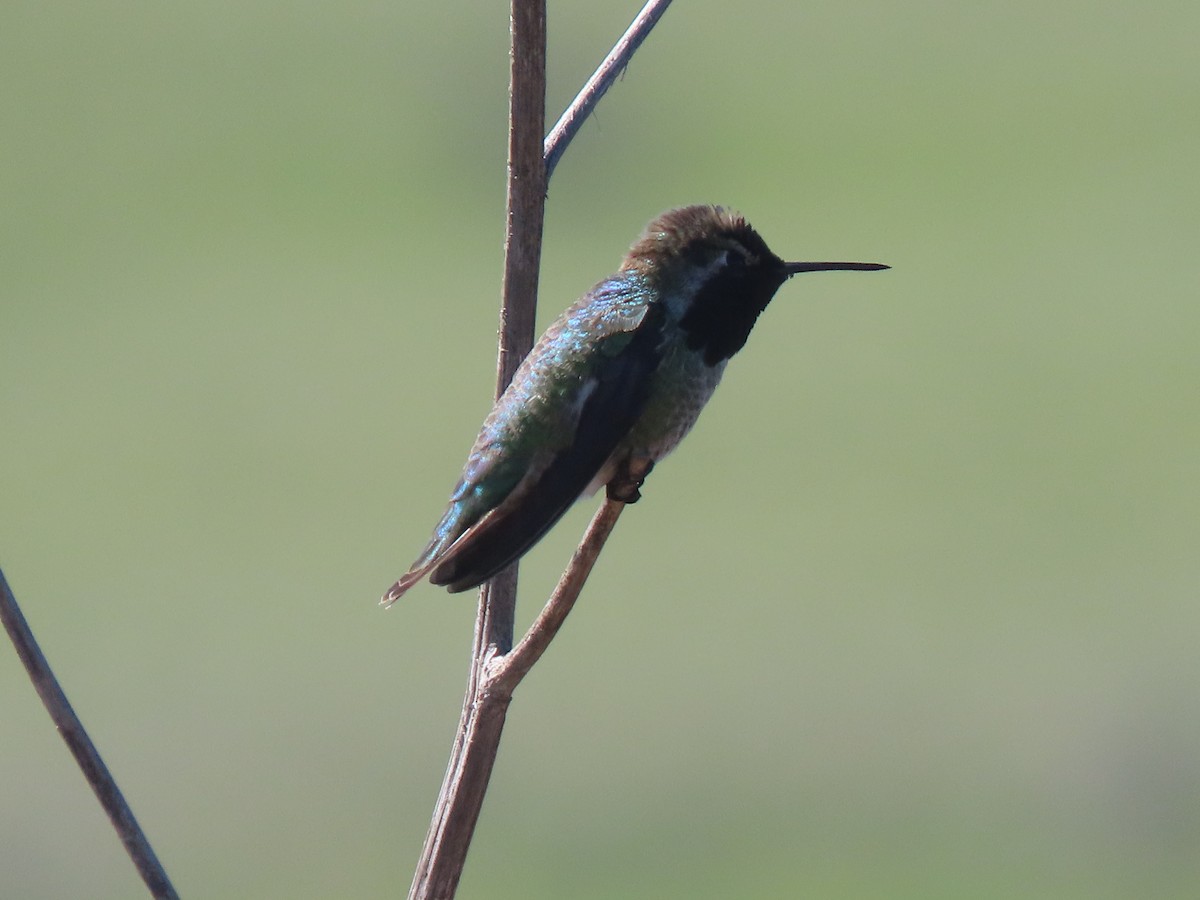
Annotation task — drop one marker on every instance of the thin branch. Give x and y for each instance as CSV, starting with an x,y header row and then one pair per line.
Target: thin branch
x,y
602,79
526,203
508,670
496,668
82,748
482,721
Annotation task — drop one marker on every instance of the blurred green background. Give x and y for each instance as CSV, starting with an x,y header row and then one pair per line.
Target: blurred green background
x,y
913,613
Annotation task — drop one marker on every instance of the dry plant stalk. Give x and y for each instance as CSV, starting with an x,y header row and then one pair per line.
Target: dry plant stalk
x,y
496,666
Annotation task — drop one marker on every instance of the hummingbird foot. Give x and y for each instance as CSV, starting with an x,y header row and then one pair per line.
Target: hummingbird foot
x,y
624,485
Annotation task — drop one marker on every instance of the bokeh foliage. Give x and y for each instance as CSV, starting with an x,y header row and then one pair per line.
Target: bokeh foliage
x,y
913,612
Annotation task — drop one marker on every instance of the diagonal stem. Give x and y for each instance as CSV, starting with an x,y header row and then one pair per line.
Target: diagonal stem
x,y
508,670
81,747
602,79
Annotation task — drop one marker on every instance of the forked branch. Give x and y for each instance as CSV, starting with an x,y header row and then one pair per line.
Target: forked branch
x,y
497,667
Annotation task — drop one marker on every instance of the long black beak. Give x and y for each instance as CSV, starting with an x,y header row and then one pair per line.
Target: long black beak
x,y
795,268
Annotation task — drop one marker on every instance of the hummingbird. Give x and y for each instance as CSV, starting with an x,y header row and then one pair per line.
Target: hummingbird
x,y
612,387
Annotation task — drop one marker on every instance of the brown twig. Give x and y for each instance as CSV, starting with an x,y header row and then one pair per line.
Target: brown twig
x,y
482,721
82,748
602,79
493,679
495,671
508,670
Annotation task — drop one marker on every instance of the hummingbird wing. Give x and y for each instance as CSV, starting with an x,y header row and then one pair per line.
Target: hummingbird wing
x,y
613,397
517,482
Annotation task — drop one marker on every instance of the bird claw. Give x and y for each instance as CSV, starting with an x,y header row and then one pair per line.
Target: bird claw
x,y
624,486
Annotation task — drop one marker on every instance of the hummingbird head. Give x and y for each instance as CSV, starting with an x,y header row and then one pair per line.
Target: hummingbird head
x,y
715,273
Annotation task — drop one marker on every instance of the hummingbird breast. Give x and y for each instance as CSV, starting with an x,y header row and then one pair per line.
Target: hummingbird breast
x,y
680,388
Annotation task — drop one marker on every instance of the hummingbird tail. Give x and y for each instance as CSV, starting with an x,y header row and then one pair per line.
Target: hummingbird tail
x,y
448,531
397,590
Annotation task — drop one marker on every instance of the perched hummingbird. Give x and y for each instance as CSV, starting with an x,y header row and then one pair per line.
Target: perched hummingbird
x,y
611,388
